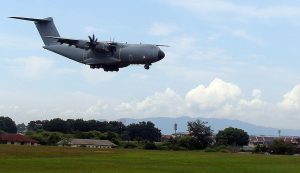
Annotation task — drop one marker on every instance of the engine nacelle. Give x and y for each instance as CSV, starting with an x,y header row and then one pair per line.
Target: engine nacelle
x,y
102,47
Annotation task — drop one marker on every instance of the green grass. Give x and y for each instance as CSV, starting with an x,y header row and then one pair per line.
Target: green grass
x,y
74,160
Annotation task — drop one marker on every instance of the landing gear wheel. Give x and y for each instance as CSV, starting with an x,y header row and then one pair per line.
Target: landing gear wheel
x,y
147,66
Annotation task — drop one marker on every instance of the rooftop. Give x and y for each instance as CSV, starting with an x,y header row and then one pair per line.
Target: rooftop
x,y
16,138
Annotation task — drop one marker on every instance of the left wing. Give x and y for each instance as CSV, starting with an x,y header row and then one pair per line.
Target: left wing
x,y
83,44
72,42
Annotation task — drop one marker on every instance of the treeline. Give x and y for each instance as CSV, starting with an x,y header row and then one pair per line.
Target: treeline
x,y
137,131
143,135
75,125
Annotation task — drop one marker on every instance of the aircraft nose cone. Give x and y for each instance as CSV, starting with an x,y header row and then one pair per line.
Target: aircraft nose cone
x,y
161,54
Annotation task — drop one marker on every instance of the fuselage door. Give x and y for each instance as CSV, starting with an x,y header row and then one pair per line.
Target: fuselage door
x,y
130,58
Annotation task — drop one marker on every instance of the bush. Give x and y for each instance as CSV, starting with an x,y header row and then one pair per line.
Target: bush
x,y
46,138
130,145
260,149
182,143
115,141
150,146
217,148
209,149
280,147
162,146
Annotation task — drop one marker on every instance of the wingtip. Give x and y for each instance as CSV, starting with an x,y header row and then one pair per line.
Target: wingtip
x,y
32,19
163,45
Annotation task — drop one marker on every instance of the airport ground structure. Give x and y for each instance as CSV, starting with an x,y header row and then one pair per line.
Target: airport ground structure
x,y
16,139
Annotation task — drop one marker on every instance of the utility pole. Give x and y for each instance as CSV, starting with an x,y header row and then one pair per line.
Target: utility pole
x,y
175,128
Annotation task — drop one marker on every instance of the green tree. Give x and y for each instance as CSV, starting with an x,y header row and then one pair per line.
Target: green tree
x,y
46,138
54,138
232,136
117,127
144,131
201,133
187,142
56,125
8,125
81,125
35,125
280,147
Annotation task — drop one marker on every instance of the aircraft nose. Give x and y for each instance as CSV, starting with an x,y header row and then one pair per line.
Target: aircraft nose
x,y
161,54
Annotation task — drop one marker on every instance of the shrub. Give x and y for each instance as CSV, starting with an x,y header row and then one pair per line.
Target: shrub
x,y
115,141
209,149
150,146
280,147
130,145
261,149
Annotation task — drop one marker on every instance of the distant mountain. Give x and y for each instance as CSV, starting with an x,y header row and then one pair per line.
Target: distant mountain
x,y
167,125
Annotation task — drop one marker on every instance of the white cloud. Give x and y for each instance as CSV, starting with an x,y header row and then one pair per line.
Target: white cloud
x,y
242,34
188,47
168,102
291,100
255,103
228,7
95,76
211,6
139,76
220,99
64,71
19,42
34,66
100,108
256,93
217,94
162,29
93,30
160,104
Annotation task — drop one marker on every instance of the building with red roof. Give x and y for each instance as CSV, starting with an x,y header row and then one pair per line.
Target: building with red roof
x,y
17,139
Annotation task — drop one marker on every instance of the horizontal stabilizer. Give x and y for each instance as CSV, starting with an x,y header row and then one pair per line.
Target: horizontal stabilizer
x,y
32,19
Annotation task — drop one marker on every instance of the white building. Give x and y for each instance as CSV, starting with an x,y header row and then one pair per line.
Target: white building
x,y
90,143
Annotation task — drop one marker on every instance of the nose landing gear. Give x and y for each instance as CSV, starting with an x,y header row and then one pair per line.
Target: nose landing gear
x,y
147,66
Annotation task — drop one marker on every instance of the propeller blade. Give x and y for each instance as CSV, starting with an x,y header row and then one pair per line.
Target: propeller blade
x,y
93,41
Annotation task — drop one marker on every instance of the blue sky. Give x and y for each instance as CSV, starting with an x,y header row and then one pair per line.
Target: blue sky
x,y
228,59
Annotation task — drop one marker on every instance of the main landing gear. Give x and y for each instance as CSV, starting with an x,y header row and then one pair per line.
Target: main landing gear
x,y
105,68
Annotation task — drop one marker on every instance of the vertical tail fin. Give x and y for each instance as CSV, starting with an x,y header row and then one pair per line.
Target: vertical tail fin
x,y
46,27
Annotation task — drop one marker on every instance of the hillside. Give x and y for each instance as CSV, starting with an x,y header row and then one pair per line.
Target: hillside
x,y
167,125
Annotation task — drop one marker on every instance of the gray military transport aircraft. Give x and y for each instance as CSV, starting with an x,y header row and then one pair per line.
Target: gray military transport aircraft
x,y
97,54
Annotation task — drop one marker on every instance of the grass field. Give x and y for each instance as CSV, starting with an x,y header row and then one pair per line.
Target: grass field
x,y
57,159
